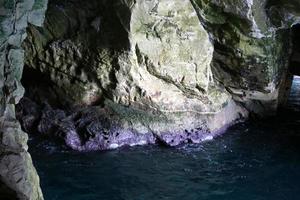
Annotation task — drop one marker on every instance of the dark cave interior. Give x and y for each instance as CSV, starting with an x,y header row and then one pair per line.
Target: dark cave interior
x,y
293,101
295,58
64,55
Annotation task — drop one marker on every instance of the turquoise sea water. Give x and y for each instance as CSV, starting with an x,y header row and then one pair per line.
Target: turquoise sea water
x,y
252,161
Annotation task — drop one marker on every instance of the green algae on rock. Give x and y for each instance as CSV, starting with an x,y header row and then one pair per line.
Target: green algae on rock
x,y
251,55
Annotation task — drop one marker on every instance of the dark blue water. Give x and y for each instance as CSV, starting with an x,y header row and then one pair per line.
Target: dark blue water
x,y
252,161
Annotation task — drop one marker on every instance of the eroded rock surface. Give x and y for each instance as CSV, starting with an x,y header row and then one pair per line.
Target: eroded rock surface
x,y
251,53
18,178
187,63
149,58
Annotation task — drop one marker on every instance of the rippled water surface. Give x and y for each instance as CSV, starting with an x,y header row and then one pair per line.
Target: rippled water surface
x,y
246,163
252,161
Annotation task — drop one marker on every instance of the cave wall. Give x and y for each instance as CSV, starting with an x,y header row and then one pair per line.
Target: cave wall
x,y
148,56
244,54
183,65
17,173
251,54
75,53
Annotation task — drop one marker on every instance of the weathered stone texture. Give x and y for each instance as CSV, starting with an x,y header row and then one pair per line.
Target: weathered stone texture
x,y
16,168
148,56
251,54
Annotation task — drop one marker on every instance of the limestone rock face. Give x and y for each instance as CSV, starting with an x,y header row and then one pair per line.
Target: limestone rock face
x,y
165,57
77,50
171,36
18,177
169,61
185,61
252,47
251,53
151,57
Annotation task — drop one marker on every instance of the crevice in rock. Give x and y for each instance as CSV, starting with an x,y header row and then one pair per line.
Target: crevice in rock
x,y
7,193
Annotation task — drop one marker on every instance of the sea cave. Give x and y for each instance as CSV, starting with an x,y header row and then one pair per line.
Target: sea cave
x,y
149,99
